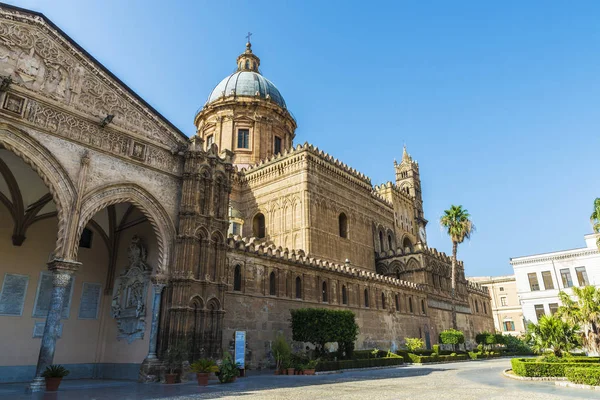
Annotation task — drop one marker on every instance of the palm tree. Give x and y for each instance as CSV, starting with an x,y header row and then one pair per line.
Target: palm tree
x,y
595,219
552,333
460,227
584,312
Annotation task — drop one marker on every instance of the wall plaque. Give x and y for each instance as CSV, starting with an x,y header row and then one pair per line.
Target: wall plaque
x,y
90,300
38,329
44,294
12,297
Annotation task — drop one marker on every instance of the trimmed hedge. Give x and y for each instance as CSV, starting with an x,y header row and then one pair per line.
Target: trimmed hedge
x,y
364,363
428,359
583,376
481,356
532,368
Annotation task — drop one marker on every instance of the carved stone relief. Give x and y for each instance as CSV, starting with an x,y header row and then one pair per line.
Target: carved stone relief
x,y
128,304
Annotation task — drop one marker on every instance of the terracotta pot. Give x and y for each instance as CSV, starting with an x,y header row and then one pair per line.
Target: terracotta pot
x,y
277,372
52,384
290,371
202,378
170,378
309,372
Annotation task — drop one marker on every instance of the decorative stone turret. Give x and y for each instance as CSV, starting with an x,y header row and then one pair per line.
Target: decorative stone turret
x,y
248,61
409,181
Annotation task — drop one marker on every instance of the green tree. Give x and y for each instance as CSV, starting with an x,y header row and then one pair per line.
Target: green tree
x,y
584,312
459,227
453,337
595,219
552,333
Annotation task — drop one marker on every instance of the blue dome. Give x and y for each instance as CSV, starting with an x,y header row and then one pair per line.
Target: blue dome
x,y
247,83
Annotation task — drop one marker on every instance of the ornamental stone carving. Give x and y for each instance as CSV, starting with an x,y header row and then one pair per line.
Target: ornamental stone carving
x,y
128,304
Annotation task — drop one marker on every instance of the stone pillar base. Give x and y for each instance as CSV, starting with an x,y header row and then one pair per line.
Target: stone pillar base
x,y
38,385
150,370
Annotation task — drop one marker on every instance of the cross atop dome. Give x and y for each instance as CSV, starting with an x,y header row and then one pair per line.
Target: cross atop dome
x,y
247,61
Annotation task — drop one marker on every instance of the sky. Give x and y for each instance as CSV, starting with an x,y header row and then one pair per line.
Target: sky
x,y
498,101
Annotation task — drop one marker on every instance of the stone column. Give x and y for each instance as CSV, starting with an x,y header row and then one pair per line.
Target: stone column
x,y
61,276
158,287
150,369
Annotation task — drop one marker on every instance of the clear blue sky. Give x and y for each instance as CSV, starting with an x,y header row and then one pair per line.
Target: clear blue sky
x,y
498,101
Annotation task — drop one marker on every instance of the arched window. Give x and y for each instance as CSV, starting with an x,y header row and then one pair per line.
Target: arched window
x,y
407,245
366,298
381,248
298,287
390,244
476,306
272,284
247,64
237,278
325,292
484,308
343,224
398,274
344,295
258,226
397,303
423,306
383,301
410,308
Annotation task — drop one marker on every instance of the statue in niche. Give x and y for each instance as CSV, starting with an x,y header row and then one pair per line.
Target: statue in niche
x,y
128,304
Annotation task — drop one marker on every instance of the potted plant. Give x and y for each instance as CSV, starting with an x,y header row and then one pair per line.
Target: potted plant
x,y
175,356
203,368
299,367
309,367
54,375
281,352
289,366
229,369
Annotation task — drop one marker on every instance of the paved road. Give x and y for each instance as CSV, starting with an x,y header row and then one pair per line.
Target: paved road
x,y
464,381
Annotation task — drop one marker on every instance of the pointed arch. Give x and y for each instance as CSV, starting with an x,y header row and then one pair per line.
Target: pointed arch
x,y
162,225
54,176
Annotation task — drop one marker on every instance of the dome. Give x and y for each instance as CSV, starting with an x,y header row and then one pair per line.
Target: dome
x,y
247,83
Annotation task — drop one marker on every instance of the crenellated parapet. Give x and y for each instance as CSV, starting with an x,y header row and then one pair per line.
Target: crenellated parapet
x,y
299,258
475,287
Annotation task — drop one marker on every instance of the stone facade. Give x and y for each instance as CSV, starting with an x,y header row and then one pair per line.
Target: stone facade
x,y
233,227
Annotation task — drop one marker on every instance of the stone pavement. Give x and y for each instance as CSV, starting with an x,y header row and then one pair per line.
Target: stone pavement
x,y
464,381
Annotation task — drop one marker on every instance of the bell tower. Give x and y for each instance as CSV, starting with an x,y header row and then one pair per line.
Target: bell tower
x,y
409,182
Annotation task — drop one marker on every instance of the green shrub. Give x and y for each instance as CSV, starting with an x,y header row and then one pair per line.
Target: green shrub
x,y
413,344
583,376
55,371
363,363
453,337
435,358
515,345
361,354
436,348
320,326
535,368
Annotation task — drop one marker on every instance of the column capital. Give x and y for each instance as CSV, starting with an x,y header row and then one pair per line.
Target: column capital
x,y
63,266
159,281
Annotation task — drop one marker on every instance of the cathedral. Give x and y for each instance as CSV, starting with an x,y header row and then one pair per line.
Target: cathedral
x,y
122,237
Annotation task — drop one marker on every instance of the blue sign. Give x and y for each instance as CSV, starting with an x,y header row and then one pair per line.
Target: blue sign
x,y
240,348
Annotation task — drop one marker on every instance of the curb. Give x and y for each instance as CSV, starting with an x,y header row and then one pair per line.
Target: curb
x,y
576,385
555,379
339,371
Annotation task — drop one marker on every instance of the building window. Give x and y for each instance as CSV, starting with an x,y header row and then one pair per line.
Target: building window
x,y
243,139
343,225
565,274
533,282
501,288
503,301
383,301
390,244
397,303
539,311
85,240
423,306
366,298
547,278
581,276
237,278
209,141
410,308
325,292
344,295
272,284
509,326
381,248
258,226
553,308
476,306
298,287
484,307
235,228
277,145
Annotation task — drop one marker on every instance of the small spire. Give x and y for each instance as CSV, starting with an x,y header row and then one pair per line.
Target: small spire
x,y
247,61
405,155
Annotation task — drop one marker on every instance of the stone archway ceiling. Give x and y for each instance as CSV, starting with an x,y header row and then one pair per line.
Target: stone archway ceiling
x,y
24,194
